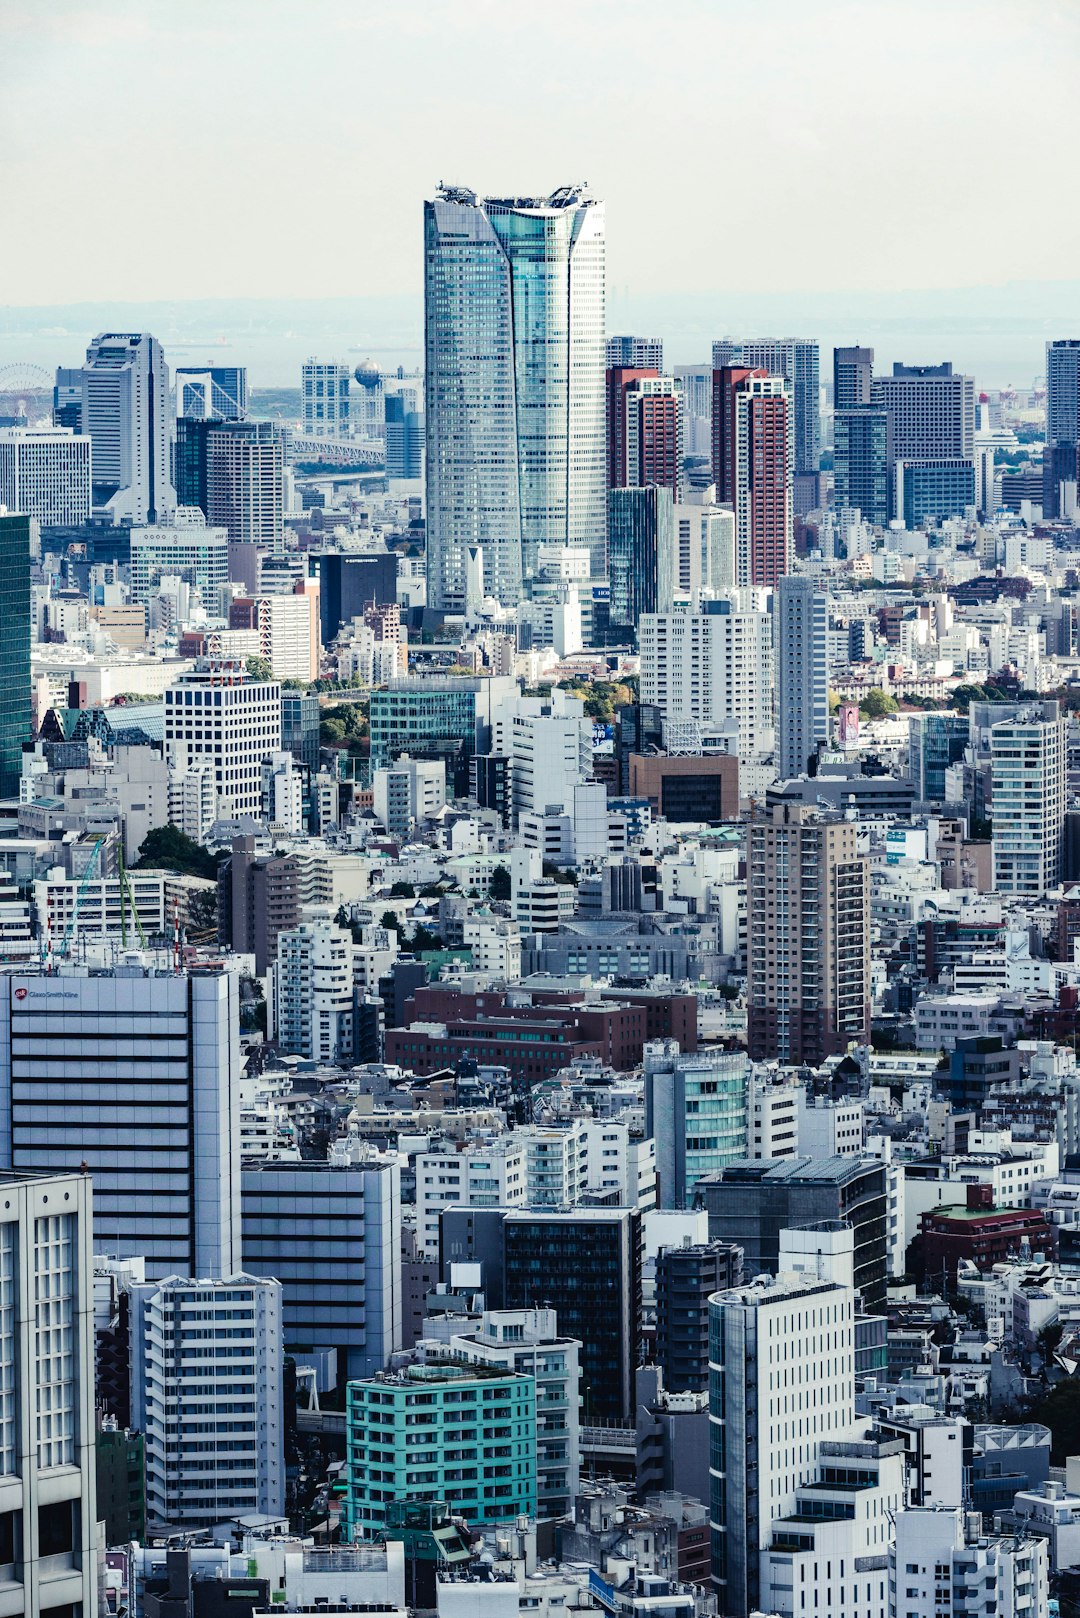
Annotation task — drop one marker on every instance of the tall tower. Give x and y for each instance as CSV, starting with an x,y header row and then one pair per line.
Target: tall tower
x,y
324,399
125,406
853,373
1062,420
798,361
763,428
514,384
808,977
801,632
16,723
1027,761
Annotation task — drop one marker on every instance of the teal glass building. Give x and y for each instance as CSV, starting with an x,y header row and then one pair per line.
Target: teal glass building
x,y
15,715
451,1431
696,1110
429,718
641,553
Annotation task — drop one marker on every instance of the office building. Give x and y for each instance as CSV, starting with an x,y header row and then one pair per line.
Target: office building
x,y
48,1512
936,1553
798,361
458,1406
408,791
348,584
217,713
1060,457
300,726
709,667
549,743
133,1074
704,545
185,548
310,1003
45,474
528,1342
686,1278
120,399
189,461
853,374
331,1234
701,788
928,492
752,1202
514,381
801,624
404,437
324,399
211,392
432,718
782,1382
635,353
585,1263
206,1359
16,721
863,463
808,953
288,625
245,482
641,554
1028,775
935,742
932,423
696,1111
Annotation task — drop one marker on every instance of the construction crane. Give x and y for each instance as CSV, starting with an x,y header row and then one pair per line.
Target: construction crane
x,y
69,931
127,897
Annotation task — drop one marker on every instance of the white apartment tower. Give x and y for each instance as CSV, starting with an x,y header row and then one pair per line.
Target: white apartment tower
x,y
217,713
713,666
514,385
1027,763
122,400
324,399
311,991
133,1074
801,623
48,1515
45,474
245,482
206,1358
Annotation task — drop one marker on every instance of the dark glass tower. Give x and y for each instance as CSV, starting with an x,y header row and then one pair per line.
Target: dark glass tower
x,y
15,721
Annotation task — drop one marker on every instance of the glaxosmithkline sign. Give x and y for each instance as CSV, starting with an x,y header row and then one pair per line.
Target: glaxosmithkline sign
x,y
23,993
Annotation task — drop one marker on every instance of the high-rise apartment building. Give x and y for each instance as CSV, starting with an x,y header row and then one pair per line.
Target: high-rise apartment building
x,y
686,1278
216,712
644,429
16,722
331,1233
1028,778
1060,458
705,668
801,632
121,399
567,1260
133,1074
324,399
514,379
464,1410
637,353
853,373
187,548
808,944
311,991
48,1513
753,454
206,1392
245,476
45,474
696,1111
641,554
798,361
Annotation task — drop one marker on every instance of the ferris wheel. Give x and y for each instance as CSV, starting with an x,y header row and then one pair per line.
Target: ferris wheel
x,y
24,387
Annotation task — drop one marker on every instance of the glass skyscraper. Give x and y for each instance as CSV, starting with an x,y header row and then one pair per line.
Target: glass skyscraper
x,y
15,721
514,383
641,553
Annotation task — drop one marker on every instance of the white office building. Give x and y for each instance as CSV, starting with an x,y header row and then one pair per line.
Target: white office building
x,y
712,666
45,474
1028,774
484,1174
311,991
120,399
408,791
324,399
217,713
206,1360
134,1074
549,743
933,1557
828,1127
801,624
527,1342
704,546
185,548
48,1515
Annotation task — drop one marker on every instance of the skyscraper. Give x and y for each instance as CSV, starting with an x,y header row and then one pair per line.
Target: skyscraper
x,y
695,1110
808,967
1028,773
640,353
404,436
705,668
798,361
932,424
45,474
1062,421
514,380
121,398
245,469
763,479
324,401
862,461
216,713
801,634
853,373
15,716
641,553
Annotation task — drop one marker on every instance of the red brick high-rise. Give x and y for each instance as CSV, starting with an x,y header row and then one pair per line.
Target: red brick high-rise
x,y
644,444
753,442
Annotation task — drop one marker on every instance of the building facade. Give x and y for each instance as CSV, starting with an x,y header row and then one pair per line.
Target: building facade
x,y
801,620
16,724
696,1111
45,474
217,713
120,399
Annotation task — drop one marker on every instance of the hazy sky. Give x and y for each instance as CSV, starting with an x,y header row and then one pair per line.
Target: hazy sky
x,y
253,148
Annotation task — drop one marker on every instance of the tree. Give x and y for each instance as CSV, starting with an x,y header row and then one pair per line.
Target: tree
x,y
876,704
168,848
202,914
1060,1411
389,921
258,668
500,886
403,890
332,731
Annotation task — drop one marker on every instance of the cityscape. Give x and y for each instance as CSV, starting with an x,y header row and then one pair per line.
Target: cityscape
x,y
539,871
